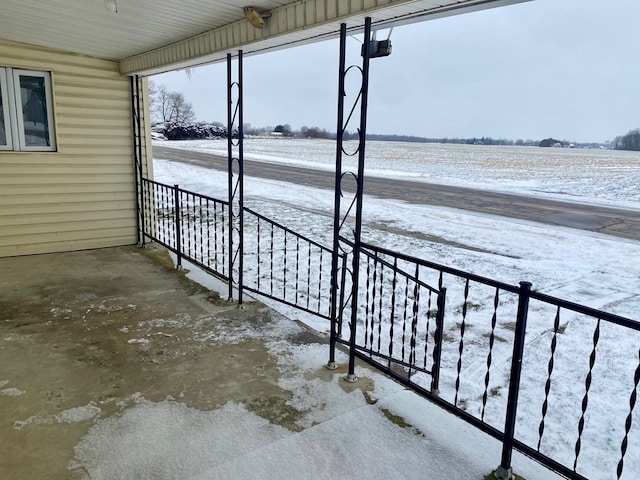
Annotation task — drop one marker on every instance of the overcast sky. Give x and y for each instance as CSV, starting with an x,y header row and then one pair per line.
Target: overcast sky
x,y
568,69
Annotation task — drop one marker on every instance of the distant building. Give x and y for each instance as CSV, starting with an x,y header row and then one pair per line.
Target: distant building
x,y
550,142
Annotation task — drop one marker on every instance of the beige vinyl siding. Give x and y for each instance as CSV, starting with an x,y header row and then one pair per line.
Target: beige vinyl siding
x,y
83,195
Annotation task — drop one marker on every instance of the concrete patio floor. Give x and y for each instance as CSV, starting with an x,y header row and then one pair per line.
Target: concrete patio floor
x,y
114,365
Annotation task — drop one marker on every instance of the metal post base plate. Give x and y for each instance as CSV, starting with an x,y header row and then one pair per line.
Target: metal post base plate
x,y
350,377
504,473
331,366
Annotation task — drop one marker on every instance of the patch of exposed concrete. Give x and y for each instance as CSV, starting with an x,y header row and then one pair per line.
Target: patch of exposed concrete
x,y
83,333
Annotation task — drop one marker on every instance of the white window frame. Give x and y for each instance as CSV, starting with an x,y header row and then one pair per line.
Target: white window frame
x,y
15,131
6,108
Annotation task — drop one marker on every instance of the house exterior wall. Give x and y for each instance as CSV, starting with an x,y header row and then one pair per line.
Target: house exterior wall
x,y
83,195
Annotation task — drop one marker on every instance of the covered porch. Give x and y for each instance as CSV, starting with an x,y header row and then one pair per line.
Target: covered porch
x,y
115,365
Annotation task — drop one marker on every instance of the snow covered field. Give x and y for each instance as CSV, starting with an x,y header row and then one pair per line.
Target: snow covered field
x,y
592,176
583,267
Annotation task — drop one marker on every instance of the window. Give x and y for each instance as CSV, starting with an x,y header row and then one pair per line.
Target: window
x,y
5,134
26,114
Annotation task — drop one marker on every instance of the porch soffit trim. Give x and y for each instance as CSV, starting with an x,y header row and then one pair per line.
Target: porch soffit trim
x,y
297,23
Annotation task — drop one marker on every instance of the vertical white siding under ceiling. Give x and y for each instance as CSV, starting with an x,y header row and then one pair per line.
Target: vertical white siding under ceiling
x,y
294,23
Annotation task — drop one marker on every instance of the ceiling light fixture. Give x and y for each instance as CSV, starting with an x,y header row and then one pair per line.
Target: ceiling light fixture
x,y
253,17
110,6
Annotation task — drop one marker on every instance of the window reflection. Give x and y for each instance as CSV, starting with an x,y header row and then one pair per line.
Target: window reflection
x,y
34,111
3,131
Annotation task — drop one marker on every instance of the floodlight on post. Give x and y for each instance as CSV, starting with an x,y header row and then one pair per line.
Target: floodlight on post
x,y
379,48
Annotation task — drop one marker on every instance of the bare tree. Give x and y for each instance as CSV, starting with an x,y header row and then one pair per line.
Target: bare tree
x,y
172,106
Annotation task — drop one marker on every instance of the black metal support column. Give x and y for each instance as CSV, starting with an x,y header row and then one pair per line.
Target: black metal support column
x,y
177,209
333,338
504,471
342,218
235,185
137,154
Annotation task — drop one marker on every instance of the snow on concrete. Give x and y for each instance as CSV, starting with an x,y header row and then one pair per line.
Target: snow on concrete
x,y
346,434
167,440
11,392
71,415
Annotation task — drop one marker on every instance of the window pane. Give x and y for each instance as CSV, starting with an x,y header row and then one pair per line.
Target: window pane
x,y
3,127
34,111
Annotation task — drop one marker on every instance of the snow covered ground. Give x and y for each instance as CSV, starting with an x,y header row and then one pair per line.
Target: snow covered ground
x,y
580,266
583,267
345,434
591,176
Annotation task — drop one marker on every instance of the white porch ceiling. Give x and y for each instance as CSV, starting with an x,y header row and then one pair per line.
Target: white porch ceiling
x,y
151,36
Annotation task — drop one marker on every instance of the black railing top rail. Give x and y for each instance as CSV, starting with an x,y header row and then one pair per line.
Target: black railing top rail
x,y
195,194
443,268
288,230
575,307
409,276
589,311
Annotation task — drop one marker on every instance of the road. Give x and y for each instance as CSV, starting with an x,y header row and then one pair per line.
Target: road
x,y
608,220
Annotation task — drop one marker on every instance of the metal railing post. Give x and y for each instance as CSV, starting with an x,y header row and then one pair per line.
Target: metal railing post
x,y
230,170
437,348
334,314
504,471
357,231
178,224
137,154
236,188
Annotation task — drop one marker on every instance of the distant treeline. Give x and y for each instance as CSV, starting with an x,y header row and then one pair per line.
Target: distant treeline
x,y
630,141
462,141
173,131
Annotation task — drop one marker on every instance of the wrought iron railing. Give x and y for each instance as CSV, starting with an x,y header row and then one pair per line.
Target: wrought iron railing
x,y
400,319
520,377
462,340
278,263
191,225
285,266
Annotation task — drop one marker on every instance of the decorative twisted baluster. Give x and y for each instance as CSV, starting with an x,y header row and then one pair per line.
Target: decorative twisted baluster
x,y
165,217
258,251
309,273
414,319
547,386
202,243
380,297
585,399
207,229
284,270
461,345
492,337
320,280
629,420
297,289
373,301
426,330
404,315
271,250
393,308
366,301
224,239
